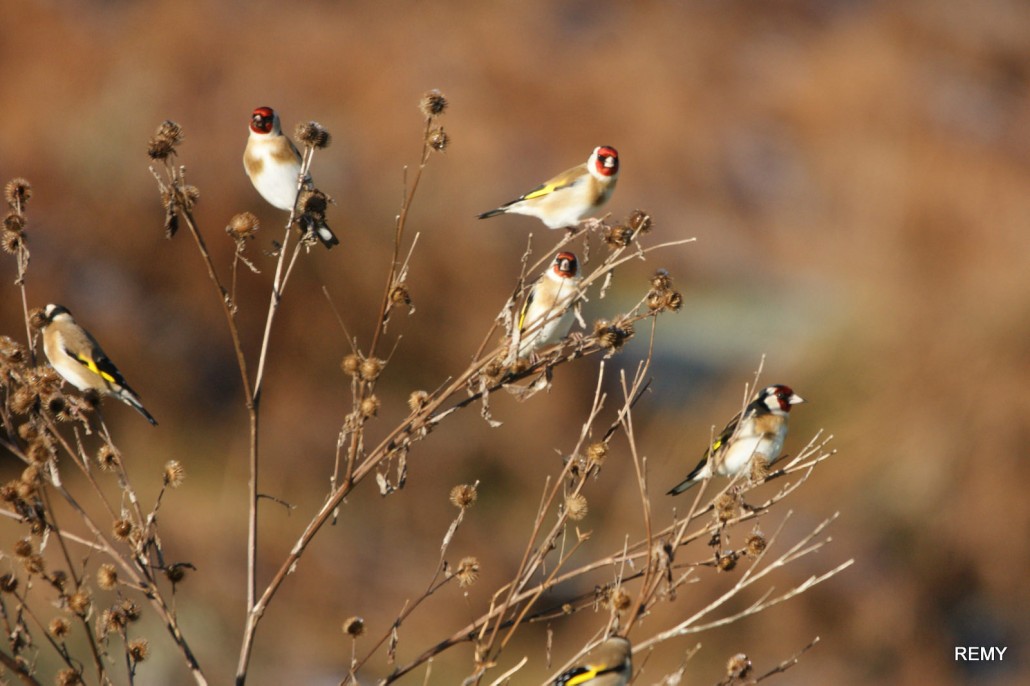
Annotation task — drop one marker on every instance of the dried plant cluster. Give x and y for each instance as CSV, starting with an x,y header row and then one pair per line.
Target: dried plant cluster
x,y
105,567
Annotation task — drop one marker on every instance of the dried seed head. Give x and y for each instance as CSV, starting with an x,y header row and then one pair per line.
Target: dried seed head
x,y
107,576
640,221
14,222
370,368
243,225
56,405
370,406
618,236
79,603
655,301
190,196
8,583
755,544
759,470
59,627
417,400
23,548
17,193
661,281
351,364
433,104
468,571
25,491
28,432
23,400
354,626
107,457
9,492
11,241
464,496
176,573
612,335
576,506
138,649
674,300
164,142
175,473
726,507
438,139
122,529
36,318
399,295
596,453
68,677
313,202
30,475
621,600
494,368
738,666
313,134
727,561
130,610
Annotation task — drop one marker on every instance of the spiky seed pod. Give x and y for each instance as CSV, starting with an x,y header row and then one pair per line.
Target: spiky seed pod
x,y
759,470
23,400
596,453
438,139
576,506
8,583
655,301
351,365
11,241
39,451
139,648
618,236
23,548
36,318
727,561
130,609
174,473
738,666
370,406
313,134
433,104
122,529
755,544
417,400
371,368
17,193
107,458
726,507
107,576
673,301
68,677
175,573
165,140
464,496
79,603
354,626
9,491
14,222
612,335
494,369
468,571
313,202
243,225
59,628
399,295
661,281
621,600
640,221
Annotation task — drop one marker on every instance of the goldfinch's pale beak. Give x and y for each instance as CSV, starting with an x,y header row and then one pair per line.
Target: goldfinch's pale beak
x,y
795,399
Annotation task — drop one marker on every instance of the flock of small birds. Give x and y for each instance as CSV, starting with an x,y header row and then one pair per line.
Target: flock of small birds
x,y
274,165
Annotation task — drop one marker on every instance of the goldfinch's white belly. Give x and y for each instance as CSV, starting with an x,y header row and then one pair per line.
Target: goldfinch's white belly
x,y
71,371
277,180
552,330
738,455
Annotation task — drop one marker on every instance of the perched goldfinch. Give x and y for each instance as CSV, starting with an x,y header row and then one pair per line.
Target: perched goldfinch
x,y
546,314
570,196
80,360
757,432
609,664
273,164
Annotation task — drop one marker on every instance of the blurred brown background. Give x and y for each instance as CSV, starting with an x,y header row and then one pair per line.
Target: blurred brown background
x,y
855,173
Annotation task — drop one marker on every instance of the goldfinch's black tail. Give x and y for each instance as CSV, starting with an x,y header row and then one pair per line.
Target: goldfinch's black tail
x,y
127,396
491,213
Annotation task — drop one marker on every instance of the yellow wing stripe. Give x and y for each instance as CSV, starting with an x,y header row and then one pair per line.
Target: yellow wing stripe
x,y
582,678
92,366
546,189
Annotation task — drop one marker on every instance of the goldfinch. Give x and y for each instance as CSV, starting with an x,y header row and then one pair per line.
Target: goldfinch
x,y
546,314
758,432
273,164
570,196
80,360
609,664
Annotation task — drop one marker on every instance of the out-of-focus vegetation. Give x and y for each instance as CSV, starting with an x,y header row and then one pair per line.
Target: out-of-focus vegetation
x,y
855,174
